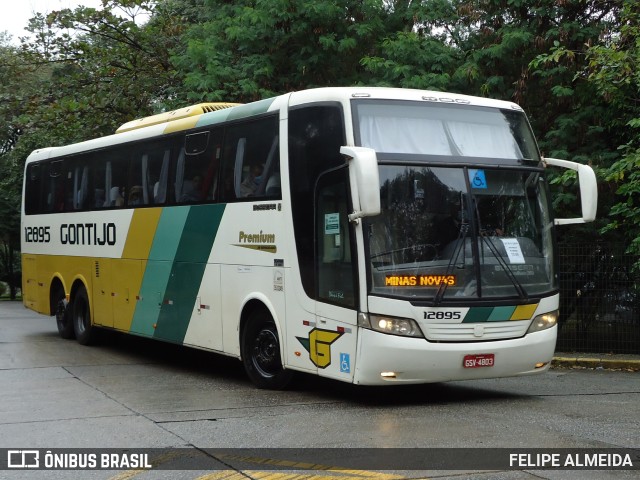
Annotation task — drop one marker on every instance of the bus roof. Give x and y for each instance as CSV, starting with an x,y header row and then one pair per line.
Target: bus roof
x,y
212,113
174,115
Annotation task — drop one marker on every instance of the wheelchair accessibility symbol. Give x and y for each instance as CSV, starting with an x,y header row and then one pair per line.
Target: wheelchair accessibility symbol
x,y
477,179
345,363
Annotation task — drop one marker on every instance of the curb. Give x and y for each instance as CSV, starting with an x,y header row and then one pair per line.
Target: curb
x,y
596,363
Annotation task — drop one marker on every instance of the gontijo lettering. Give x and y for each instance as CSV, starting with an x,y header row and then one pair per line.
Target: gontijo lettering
x,y
88,234
419,280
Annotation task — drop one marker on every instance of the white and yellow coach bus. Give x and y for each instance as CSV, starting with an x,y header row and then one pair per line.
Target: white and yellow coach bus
x,y
369,235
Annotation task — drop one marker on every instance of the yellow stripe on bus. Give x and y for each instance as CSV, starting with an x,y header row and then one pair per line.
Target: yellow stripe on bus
x,y
524,312
141,233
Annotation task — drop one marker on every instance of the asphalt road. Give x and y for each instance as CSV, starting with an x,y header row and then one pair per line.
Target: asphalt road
x,y
134,393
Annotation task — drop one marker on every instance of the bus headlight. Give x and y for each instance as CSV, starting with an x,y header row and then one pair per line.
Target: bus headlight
x,y
544,321
404,327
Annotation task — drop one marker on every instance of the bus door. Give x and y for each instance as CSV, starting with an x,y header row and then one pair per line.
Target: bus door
x,y
332,342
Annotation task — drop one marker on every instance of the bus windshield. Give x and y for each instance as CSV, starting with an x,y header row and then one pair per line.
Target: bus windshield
x,y
460,233
453,131
464,208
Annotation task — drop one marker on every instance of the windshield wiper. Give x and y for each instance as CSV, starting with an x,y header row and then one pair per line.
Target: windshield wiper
x,y
505,266
460,246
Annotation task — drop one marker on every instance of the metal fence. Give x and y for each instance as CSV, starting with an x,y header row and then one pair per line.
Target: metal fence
x,y
600,299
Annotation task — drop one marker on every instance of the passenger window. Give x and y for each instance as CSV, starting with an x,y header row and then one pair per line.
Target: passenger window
x,y
197,168
149,174
33,189
251,160
55,198
109,179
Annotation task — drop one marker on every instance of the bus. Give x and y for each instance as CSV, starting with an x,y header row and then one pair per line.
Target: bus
x,y
376,236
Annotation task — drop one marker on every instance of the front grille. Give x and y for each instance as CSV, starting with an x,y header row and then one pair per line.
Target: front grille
x,y
474,332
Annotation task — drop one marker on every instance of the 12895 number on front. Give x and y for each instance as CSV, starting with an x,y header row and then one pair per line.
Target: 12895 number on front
x,y
478,360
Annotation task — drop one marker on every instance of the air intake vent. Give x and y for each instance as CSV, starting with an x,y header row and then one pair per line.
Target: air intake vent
x,y
97,269
214,107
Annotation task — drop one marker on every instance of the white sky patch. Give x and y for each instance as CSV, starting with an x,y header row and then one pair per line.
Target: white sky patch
x,y
15,14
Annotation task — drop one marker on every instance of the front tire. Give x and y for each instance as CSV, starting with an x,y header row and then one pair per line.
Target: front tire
x,y
261,352
82,325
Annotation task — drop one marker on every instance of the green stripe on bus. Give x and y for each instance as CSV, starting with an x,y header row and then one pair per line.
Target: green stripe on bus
x,y
213,118
158,270
250,109
501,314
478,314
187,271
235,113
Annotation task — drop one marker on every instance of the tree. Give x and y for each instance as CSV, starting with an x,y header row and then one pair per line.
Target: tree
x,y
613,69
251,49
103,67
82,74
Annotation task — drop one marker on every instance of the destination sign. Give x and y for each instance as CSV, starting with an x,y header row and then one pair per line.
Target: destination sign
x,y
419,280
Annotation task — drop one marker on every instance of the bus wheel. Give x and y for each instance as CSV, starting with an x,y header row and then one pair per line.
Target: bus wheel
x,y
63,316
84,330
261,352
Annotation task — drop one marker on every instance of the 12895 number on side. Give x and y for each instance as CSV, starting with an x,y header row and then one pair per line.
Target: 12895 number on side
x,y
478,360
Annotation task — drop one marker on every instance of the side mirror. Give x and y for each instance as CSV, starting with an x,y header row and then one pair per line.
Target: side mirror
x,y
588,190
364,181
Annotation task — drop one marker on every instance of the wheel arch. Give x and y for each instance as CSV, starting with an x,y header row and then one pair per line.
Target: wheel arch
x,y
257,302
77,283
56,284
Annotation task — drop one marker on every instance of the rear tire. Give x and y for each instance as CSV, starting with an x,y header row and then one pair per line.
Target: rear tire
x,y
63,315
82,325
261,352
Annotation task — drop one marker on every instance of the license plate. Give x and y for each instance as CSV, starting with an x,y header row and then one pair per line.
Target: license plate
x,y
479,360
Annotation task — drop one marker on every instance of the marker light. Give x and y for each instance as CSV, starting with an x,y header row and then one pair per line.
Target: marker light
x,y
544,321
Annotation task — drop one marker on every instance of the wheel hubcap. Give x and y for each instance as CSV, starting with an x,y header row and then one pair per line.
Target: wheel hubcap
x,y
266,353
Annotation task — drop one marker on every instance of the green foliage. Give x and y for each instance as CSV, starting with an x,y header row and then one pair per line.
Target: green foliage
x,y
247,50
613,69
83,73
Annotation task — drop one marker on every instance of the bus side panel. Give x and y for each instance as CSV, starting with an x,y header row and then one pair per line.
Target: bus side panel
x,y
191,255
336,338
162,254
154,284
102,292
175,313
30,290
243,283
127,277
205,326
174,273
300,322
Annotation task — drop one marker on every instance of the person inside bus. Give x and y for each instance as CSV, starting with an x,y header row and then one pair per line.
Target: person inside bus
x,y
251,183
191,190
135,196
115,197
99,197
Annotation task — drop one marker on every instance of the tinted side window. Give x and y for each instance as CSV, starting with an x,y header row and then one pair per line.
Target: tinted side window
x,y
149,174
316,134
251,160
33,189
55,197
198,167
110,182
